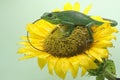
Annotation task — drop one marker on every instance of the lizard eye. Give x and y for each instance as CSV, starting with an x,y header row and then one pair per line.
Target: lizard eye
x,y
50,15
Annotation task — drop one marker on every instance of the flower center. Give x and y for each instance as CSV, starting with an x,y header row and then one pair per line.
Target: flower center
x,y
59,45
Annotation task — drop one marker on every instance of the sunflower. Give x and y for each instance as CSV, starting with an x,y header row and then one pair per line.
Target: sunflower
x,y
63,54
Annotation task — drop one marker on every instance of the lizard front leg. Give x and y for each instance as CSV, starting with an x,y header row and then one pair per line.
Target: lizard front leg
x,y
88,26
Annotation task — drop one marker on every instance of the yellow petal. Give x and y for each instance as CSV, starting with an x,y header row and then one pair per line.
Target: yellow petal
x,y
76,6
66,65
87,9
103,44
86,62
82,60
102,52
104,30
59,69
51,63
31,38
28,51
26,57
44,27
63,65
110,37
40,28
95,55
101,27
33,29
68,6
33,46
114,29
41,62
42,59
83,71
35,43
23,50
75,63
44,24
107,31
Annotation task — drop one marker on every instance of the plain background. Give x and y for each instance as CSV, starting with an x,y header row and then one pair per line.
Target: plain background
x,y
15,14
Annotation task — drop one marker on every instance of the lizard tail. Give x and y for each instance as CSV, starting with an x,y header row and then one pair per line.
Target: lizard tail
x,y
112,22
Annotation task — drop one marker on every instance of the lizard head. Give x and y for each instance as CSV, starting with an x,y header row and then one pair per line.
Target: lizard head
x,y
51,17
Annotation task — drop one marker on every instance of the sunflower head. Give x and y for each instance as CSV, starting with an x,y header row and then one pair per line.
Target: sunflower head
x,y
48,43
59,45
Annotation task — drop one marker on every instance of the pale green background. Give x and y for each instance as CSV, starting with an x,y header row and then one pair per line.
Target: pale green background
x,y
15,14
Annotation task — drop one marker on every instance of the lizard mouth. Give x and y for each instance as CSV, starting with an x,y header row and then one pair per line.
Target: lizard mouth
x,y
59,45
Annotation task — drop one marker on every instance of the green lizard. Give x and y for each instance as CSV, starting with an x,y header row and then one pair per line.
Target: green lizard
x,y
71,19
